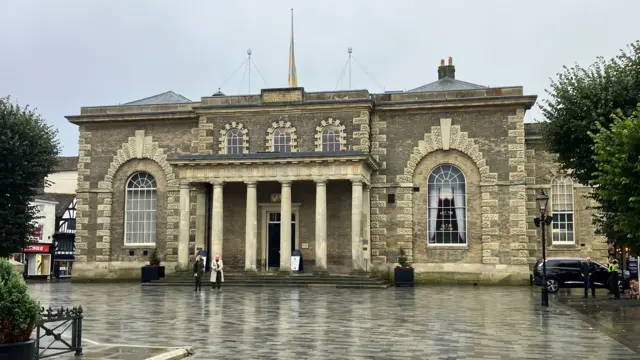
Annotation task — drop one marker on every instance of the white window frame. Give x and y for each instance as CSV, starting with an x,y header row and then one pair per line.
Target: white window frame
x,y
234,142
282,134
466,208
153,192
334,132
562,182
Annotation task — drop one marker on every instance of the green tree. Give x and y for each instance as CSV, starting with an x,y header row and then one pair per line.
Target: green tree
x,y
29,151
616,180
581,102
580,99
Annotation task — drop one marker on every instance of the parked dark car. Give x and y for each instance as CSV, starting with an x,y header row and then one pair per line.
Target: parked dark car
x,y
565,273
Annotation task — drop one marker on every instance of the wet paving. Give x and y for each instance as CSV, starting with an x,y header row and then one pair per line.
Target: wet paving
x,y
415,323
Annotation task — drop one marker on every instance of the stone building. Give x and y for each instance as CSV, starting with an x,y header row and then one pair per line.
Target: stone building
x,y
447,172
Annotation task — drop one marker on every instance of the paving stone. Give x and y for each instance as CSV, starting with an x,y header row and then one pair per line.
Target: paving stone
x,y
292,323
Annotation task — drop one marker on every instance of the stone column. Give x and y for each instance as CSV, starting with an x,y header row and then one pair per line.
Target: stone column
x,y
285,227
251,229
183,235
216,221
366,220
201,221
321,225
356,226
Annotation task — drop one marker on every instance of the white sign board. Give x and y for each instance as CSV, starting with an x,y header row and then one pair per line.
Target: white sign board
x,y
295,263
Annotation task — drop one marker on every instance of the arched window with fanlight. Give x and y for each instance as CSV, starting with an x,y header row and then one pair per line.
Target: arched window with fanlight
x,y
562,209
282,140
234,141
447,206
140,210
330,138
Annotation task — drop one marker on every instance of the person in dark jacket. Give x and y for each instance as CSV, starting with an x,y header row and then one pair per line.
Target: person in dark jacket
x,y
198,272
587,269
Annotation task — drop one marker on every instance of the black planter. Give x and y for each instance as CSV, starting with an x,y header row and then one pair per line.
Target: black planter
x,y
19,351
151,273
403,276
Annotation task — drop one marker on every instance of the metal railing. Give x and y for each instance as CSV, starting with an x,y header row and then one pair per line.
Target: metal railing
x,y
50,322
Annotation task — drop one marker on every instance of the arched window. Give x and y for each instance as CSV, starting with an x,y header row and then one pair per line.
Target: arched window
x,y
281,140
330,139
562,210
447,204
234,141
140,210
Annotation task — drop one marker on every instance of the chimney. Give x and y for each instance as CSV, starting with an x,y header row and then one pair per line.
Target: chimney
x,y
446,71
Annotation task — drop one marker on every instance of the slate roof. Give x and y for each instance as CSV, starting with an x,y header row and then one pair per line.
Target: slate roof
x,y
168,97
447,84
67,163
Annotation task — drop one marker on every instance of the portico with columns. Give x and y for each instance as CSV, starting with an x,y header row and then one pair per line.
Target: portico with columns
x,y
325,198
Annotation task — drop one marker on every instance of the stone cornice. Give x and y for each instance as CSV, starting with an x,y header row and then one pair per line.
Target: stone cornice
x,y
458,104
288,108
142,116
195,162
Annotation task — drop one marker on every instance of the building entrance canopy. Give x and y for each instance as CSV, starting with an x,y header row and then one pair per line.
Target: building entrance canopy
x,y
344,165
284,168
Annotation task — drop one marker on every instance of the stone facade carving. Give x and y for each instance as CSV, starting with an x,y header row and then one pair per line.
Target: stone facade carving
x,y
286,125
139,146
222,140
337,126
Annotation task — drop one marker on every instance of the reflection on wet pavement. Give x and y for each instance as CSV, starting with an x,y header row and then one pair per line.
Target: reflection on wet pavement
x,y
428,322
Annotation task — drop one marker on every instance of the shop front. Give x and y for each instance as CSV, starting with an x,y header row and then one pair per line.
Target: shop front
x,y
63,255
38,257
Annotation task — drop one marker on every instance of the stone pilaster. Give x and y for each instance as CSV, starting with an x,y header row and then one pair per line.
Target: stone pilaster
x,y
361,129
356,226
183,239
321,225
216,220
404,217
204,143
82,196
82,233
379,143
517,196
285,227
490,224
251,228
378,220
201,221
366,222
530,166
103,229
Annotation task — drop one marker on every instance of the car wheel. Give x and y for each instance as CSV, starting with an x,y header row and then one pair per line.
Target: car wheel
x,y
553,286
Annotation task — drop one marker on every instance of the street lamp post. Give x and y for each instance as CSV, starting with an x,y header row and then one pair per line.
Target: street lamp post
x,y
542,200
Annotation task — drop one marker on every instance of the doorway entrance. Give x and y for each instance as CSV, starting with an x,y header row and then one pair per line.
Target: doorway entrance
x,y
273,237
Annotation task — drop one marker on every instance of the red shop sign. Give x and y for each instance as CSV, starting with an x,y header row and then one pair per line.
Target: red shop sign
x,y
38,248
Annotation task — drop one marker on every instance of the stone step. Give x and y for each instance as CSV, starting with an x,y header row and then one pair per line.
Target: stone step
x,y
248,282
283,285
279,278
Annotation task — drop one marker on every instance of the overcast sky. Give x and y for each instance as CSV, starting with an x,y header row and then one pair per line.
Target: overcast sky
x,y
61,55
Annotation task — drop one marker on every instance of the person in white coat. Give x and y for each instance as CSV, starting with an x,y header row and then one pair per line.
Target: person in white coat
x,y
217,274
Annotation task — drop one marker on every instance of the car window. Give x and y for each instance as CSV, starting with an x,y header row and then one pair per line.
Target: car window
x,y
572,264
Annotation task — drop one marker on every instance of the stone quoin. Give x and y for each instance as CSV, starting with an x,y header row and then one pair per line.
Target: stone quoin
x,y
447,172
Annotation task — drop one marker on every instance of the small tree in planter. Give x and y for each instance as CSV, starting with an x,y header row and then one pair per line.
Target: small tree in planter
x,y
153,258
18,314
152,271
403,273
